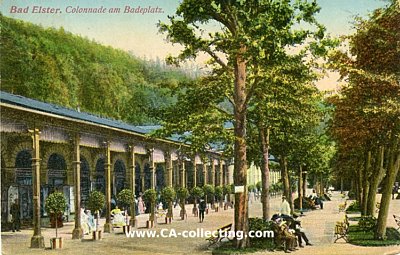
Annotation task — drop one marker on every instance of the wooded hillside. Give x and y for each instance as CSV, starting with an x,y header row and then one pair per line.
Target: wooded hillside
x,y
55,66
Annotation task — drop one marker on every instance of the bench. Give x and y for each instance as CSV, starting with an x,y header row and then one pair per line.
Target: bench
x,y
397,220
342,229
342,207
219,234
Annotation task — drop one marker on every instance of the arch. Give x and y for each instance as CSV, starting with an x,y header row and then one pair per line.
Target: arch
x,y
65,153
138,180
23,168
99,180
56,171
160,182
85,180
119,176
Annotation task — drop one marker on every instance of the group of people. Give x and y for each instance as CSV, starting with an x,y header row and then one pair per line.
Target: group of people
x,y
287,228
87,221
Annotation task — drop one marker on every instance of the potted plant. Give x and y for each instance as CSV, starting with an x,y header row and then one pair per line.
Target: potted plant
x,y
55,205
227,190
96,202
219,194
182,193
168,194
150,195
124,198
209,192
196,193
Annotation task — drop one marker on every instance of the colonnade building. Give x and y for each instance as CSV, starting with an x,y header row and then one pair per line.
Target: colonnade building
x,y
46,147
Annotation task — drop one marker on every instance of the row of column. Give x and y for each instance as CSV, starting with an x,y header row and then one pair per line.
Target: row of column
x,y
37,240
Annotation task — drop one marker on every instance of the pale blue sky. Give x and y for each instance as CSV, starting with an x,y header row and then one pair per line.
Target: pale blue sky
x,y
138,33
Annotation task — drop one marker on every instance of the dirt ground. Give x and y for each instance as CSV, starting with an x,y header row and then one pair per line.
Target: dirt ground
x,y
319,225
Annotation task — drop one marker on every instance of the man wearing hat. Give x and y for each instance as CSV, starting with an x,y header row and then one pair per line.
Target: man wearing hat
x,y
285,207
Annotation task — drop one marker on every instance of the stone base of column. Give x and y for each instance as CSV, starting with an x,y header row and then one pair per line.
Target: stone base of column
x,y
77,233
133,222
37,242
108,228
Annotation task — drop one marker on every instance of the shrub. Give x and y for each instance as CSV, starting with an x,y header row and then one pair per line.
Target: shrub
x,y
259,224
96,201
55,204
218,193
168,194
150,195
353,207
124,197
227,189
196,193
367,223
182,192
258,186
251,187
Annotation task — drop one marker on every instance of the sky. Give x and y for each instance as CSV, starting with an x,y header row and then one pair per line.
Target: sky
x,y
138,32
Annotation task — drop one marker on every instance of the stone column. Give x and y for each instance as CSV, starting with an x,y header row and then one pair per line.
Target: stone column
x,y
132,168
194,172
212,172
182,171
221,173
141,164
77,233
152,168
37,240
168,168
107,170
204,171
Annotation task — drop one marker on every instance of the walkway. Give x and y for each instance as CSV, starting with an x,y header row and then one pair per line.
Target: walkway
x,y
319,226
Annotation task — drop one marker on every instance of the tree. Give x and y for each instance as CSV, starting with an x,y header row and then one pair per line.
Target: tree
x,y
55,205
168,194
251,31
182,193
124,197
366,121
96,202
196,193
150,196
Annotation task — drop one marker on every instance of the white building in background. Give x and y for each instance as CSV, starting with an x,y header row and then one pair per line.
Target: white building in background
x,y
254,175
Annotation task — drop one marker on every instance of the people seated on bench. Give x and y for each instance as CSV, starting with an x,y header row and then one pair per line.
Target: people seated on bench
x,y
317,200
118,219
299,231
283,235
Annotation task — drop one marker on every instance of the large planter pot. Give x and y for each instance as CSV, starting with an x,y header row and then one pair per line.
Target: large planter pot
x,y
96,235
56,243
53,221
126,229
150,224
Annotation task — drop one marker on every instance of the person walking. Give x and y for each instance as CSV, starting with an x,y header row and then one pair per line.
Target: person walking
x,y
202,208
16,219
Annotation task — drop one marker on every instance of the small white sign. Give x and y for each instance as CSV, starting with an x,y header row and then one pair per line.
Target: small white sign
x,y
239,189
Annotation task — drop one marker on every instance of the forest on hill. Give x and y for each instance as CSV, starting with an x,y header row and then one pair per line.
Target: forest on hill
x,y
56,66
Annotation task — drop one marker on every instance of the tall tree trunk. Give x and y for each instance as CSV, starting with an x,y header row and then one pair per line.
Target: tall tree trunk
x,y
392,170
366,173
287,192
360,186
265,173
240,170
376,179
300,188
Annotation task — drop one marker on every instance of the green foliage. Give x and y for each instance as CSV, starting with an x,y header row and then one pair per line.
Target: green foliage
x,y
168,194
150,195
208,190
218,191
357,236
197,192
227,189
353,207
58,67
259,224
124,197
55,203
96,201
259,185
182,193
251,187
367,223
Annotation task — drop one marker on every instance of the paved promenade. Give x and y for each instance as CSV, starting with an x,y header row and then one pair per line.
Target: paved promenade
x,y
319,225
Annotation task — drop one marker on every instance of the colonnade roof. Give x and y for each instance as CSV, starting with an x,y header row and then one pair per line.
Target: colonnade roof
x,y
33,104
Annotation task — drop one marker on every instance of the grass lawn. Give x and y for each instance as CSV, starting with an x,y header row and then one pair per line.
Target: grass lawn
x,y
359,237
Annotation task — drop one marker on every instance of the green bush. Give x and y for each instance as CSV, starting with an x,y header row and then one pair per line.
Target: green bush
x,y
150,195
55,203
124,197
258,186
168,194
227,189
96,201
182,192
259,224
218,191
251,187
353,207
208,190
367,223
197,192
358,236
